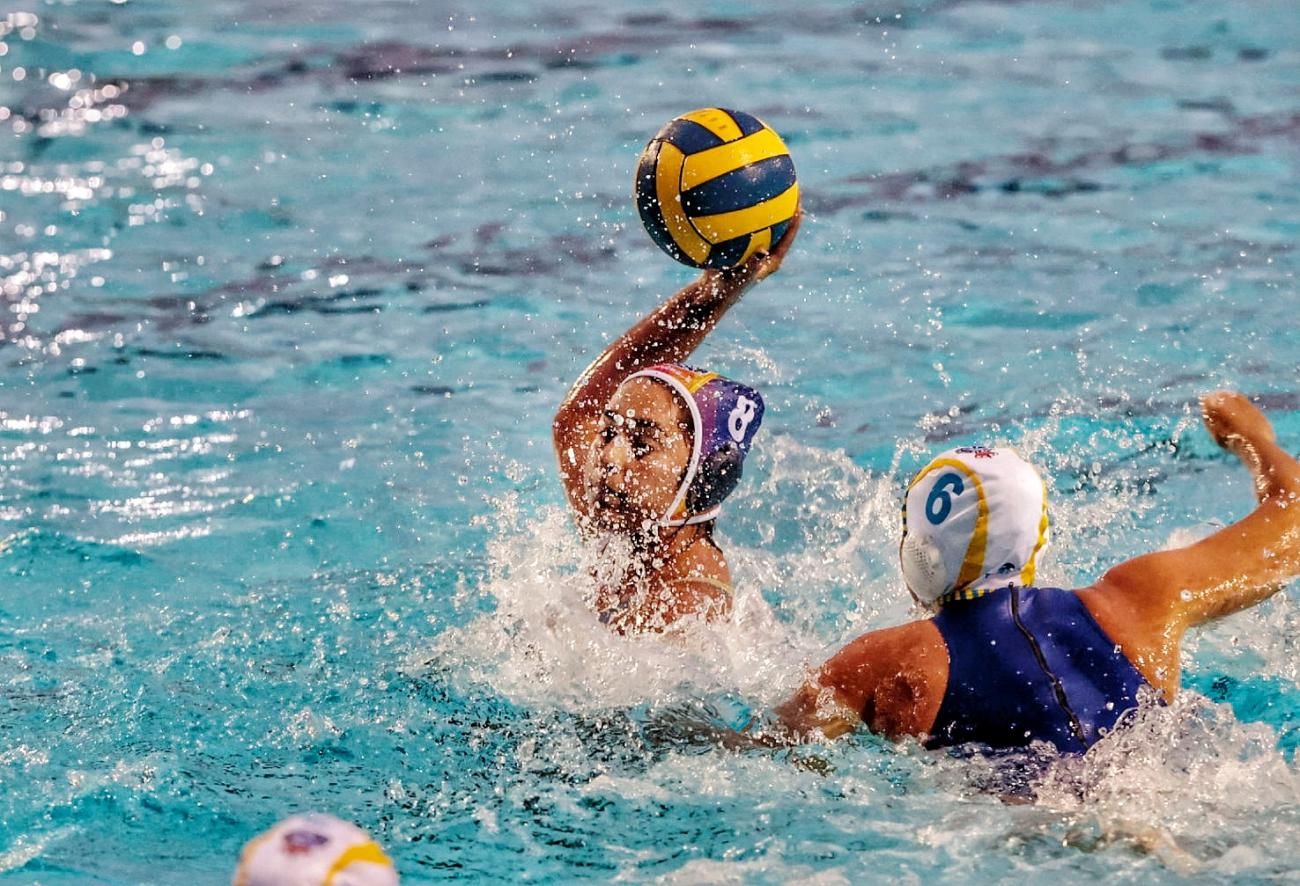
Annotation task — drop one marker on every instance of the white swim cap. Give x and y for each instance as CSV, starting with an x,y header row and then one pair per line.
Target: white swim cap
x,y
974,519
314,850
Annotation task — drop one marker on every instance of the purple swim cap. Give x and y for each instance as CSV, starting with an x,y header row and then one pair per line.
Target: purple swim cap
x,y
725,415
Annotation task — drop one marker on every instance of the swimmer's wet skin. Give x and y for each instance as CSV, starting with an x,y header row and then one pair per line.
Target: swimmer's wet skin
x,y
1002,663
649,448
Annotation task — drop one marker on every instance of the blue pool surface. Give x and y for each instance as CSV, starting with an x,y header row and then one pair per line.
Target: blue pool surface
x,y
293,289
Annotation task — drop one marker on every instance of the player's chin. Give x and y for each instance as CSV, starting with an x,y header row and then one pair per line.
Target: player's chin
x,y
615,513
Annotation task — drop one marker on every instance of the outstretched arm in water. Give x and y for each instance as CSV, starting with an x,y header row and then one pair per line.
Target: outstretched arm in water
x,y
1147,603
667,334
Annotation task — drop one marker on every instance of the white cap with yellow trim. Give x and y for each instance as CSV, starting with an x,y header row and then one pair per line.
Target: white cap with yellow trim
x,y
974,519
314,850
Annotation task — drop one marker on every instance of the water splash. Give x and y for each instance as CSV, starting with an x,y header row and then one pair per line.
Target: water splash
x,y
1189,783
543,647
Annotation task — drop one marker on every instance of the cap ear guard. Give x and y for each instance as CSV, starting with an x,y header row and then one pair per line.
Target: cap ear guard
x,y
718,474
923,569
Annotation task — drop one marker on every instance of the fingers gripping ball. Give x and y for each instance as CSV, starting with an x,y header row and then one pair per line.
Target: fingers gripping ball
x,y
715,186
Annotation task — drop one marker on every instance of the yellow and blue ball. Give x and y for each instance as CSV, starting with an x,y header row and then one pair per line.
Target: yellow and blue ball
x,y
716,186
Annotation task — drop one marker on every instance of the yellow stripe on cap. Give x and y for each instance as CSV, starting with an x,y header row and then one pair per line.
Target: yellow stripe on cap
x,y
699,380
729,225
972,565
716,121
1031,567
690,379
362,852
246,858
711,163
668,172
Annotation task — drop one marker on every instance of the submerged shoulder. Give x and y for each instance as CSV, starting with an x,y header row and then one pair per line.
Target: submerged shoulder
x,y
702,562
697,582
895,677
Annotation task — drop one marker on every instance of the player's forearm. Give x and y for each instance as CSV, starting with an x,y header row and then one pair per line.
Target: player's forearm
x,y
1276,473
668,334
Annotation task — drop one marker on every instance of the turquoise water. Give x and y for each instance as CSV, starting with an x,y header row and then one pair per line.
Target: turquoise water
x,y
293,289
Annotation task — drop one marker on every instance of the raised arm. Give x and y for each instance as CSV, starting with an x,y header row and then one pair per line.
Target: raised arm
x,y
668,334
1145,604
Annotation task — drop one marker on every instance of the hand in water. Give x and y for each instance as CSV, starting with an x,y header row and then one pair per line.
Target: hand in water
x,y
698,725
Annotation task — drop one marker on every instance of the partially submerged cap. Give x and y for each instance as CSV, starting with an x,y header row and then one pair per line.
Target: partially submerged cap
x,y
725,415
974,519
314,850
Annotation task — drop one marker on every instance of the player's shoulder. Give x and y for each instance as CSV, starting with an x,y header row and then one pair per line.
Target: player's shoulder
x,y
893,646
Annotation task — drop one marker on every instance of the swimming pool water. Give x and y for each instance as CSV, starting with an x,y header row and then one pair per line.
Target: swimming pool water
x,y
293,289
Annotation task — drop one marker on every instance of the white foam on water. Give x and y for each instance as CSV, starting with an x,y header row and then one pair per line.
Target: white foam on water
x,y
1188,783
544,647
32,846
811,539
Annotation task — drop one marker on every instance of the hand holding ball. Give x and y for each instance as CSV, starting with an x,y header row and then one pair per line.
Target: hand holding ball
x,y
714,187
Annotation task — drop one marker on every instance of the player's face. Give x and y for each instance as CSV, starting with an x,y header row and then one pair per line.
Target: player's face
x,y
633,473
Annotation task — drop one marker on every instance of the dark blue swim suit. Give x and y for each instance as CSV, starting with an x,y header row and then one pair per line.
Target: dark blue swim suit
x,y
1030,664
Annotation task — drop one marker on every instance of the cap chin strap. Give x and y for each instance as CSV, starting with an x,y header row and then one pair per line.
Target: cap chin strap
x,y
710,514
970,593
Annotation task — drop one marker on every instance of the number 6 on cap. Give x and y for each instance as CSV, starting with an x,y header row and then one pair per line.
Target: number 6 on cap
x,y
939,504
